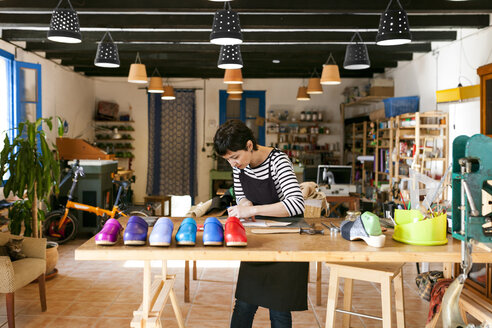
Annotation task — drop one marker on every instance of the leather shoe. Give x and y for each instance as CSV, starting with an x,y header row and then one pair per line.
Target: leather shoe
x,y
213,232
235,234
110,233
136,231
162,232
186,234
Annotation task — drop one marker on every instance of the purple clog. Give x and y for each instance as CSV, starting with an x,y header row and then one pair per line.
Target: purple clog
x,y
110,233
213,232
162,232
135,231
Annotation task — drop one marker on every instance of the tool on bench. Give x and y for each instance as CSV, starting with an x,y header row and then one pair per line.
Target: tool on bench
x,y
307,231
332,227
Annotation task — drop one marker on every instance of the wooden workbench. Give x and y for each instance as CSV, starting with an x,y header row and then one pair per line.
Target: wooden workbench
x,y
265,247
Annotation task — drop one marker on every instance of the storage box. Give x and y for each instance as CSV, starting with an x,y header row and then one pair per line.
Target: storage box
x,y
312,208
401,105
380,82
411,228
382,91
377,115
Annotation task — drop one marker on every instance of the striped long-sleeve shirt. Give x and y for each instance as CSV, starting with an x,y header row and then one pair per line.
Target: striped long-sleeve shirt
x,y
282,171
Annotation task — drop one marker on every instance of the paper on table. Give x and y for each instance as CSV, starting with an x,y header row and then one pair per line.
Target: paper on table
x,y
264,223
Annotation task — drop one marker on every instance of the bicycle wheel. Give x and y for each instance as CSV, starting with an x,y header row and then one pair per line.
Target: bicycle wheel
x,y
141,213
68,230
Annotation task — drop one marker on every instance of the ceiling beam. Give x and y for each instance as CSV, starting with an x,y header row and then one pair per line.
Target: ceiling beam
x,y
363,6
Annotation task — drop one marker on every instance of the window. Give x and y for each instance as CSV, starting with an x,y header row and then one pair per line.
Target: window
x,y
250,110
6,95
27,93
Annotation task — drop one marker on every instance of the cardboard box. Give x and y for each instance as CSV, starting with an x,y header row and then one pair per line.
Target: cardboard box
x,y
379,82
382,91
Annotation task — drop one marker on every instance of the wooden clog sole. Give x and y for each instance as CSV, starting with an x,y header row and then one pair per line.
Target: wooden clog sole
x,y
236,243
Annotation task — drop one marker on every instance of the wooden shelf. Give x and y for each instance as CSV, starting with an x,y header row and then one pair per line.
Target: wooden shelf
x,y
302,122
118,122
365,101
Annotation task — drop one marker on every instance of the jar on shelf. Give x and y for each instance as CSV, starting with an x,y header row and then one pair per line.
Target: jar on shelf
x,y
272,116
303,116
352,215
314,116
320,116
308,116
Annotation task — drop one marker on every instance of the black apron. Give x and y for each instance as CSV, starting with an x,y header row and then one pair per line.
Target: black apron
x,y
280,286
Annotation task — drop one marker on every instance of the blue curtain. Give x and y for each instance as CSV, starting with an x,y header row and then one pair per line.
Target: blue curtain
x,y
172,145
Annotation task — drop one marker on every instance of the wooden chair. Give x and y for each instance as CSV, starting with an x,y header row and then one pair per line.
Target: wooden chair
x,y
383,273
17,274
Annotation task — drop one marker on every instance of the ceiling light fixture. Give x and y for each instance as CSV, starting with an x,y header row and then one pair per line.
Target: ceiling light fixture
x,y
233,76
226,29
393,27
138,73
107,53
234,88
235,97
168,93
155,85
64,25
314,86
276,61
356,56
219,0
302,94
331,73
230,57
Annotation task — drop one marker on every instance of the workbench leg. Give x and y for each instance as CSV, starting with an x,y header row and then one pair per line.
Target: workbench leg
x,y
399,300
187,282
386,301
177,310
319,268
331,303
347,300
195,271
147,281
447,270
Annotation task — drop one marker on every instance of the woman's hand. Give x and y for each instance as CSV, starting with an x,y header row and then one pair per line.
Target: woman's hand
x,y
243,210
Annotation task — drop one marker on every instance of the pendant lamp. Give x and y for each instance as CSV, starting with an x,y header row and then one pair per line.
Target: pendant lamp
x,y
168,93
235,97
356,56
219,0
331,73
226,29
234,88
230,57
393,27
138,73
155,85
107,53
314,86
64,25
233,76
302,94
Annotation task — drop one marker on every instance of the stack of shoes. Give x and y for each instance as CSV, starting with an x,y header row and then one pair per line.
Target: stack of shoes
x,y
213,232
110,233
186,234
136,231
235,234
365,227
162,232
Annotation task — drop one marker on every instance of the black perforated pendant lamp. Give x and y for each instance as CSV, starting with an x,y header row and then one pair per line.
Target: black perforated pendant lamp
x,y
226,29
64,25
230,57
393,27
107,53
356,56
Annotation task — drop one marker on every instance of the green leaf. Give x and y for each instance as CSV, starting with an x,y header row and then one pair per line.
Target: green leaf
x,y
49,123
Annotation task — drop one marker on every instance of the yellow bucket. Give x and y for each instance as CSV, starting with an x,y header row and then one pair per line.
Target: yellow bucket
x,y
411,228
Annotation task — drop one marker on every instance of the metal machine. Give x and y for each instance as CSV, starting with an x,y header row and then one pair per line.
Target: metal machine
x,y
471,212
334,180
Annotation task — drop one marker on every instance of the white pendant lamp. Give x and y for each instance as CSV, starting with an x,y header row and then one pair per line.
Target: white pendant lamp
x,y
393,27
331,73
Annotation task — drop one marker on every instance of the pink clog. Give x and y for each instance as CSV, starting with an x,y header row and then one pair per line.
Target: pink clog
x,y
109,233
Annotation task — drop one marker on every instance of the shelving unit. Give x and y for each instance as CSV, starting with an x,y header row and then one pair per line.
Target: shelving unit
x,y
300,140
385,136
122,147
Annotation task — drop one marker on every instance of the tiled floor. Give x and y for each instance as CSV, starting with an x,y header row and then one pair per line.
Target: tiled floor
x,y
105,294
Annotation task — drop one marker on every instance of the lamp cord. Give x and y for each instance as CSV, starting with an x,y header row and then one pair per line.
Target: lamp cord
x,y
332,58
391,1
69,3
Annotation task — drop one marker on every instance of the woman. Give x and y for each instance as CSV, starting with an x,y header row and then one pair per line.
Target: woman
x,y
264,184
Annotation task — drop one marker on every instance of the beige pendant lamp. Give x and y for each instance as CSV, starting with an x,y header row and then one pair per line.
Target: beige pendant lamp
x,y
138,73
234,88
168,93
235,97
302,94
233,76
331,73
155,85
314,86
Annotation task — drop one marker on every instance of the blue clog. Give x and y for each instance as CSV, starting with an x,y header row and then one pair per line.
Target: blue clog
x,y
135,231
162,232
213,232
186,234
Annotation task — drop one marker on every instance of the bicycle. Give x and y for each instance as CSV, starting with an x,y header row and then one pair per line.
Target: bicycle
x,y
61,226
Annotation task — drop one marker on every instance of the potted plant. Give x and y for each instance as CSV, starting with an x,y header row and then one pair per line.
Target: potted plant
x,y
32,172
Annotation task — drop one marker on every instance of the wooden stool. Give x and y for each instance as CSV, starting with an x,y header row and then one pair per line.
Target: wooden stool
x,y
161,199
382,273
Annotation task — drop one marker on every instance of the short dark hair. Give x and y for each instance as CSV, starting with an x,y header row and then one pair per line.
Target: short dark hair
x,y
233,135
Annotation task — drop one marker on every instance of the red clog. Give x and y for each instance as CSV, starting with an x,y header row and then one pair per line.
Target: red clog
x,y
234,234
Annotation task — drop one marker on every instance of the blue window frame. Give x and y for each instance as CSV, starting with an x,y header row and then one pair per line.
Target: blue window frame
x,y
249,109
6,94
27,92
